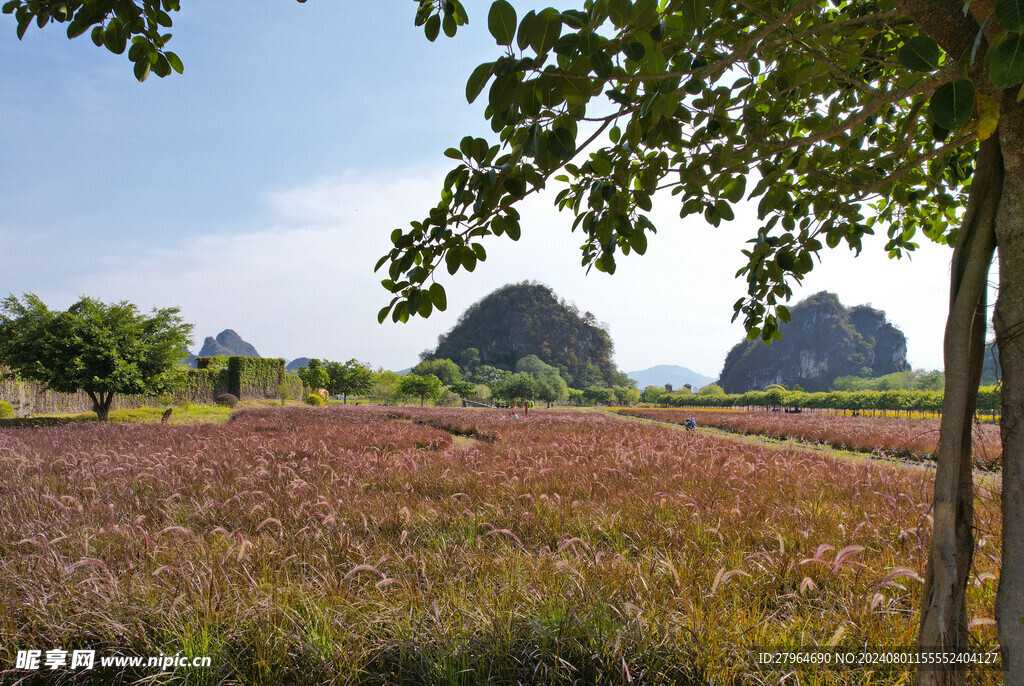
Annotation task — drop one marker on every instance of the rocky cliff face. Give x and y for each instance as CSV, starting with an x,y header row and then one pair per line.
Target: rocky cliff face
x,y
227,343
823,341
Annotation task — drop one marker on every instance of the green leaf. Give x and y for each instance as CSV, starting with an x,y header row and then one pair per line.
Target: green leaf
x,y
501,22
450,27
433,27
694,13
383,314
920,53
175,62
524,30
562,144
545,30
952,104
1010,15
162,67
452,260
512,229
735,188
142,70
1006,61
634,51
478,79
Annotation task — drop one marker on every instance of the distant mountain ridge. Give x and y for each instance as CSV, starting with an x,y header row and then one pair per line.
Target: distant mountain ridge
x,y
674,374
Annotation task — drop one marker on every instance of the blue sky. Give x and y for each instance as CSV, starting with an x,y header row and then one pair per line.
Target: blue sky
x,y
257,190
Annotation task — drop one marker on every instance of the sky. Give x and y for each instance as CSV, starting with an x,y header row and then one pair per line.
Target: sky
x,y
257,190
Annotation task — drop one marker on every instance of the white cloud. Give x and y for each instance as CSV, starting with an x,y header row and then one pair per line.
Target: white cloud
x,y
303,284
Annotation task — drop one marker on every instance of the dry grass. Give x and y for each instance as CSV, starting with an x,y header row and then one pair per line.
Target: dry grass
x,y
351,545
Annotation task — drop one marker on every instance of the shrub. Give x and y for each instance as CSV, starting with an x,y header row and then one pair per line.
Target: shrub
x,y
226,400
6,410
284,391
314,399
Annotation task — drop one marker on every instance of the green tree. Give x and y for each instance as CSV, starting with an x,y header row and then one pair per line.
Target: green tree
x,y
598,395
552,389
99,348
625,395
487,374
651,394
469,360
314,376
423,387
445,370
386,384
712,390
549,386
516,388
463,389
350,378
535,367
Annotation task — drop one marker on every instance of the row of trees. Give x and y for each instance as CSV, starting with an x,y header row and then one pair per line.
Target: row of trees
x,y
337,378
532,380
989,400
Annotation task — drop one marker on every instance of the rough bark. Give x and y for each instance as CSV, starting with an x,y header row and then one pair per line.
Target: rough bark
x,y
943,608
1009,325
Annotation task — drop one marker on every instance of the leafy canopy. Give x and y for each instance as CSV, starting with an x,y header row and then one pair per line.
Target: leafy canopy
x,y
100,348
834,117
313,375
349,378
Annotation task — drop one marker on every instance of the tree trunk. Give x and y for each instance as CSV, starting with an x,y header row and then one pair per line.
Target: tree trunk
x,y
943,608
1009,326
100,404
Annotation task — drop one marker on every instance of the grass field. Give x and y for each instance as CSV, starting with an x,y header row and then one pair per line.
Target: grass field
x,y
885,436
375,546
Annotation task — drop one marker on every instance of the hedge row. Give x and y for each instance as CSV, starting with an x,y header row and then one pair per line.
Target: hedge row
x,y
242,377
989,400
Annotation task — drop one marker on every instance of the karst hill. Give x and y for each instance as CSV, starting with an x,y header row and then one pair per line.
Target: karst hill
x,y
824,340
530,319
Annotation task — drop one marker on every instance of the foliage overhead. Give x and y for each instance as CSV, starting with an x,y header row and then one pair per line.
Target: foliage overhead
x,y
840,116
99,348
834,117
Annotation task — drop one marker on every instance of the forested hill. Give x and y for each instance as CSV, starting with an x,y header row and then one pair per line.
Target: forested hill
x,y
529,319
824,340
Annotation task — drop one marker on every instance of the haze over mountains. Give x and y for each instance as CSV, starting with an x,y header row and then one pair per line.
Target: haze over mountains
x,y
674,374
